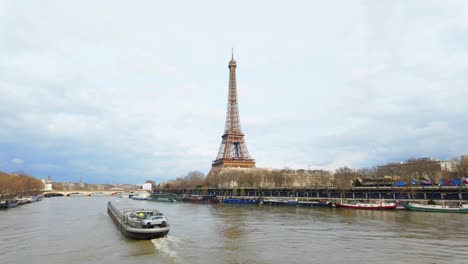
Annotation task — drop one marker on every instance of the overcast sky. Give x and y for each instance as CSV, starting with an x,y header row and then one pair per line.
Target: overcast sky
x,y
121,92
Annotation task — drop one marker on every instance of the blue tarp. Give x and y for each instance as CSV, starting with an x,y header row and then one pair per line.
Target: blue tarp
x,y
451,182
454,182
400,184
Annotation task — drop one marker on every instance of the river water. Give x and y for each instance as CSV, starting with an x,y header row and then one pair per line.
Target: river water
x,y
78,230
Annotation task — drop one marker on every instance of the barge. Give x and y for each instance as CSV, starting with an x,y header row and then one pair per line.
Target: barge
x,y
142,224
460,208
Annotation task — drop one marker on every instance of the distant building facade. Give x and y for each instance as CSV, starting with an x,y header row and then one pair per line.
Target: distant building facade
x,y
428,168
464,161
47,185
147,186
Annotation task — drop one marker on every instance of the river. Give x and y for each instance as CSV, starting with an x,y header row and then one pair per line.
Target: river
x,y
78,230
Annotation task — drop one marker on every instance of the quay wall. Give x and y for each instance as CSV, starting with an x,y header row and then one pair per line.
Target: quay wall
x,y
459,193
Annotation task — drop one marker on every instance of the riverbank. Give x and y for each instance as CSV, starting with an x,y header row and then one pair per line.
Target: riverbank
x,y
447,193
18,201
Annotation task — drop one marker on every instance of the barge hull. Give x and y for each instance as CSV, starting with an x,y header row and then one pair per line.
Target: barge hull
x,y
315,204
240,201
435,210
136,233
388,207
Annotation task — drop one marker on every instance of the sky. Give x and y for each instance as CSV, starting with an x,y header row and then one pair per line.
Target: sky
x,y
128,91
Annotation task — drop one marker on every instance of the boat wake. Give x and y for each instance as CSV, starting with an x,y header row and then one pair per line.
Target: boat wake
x,y
167,246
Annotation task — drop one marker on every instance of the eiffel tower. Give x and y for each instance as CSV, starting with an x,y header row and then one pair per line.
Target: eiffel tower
x,y
233,151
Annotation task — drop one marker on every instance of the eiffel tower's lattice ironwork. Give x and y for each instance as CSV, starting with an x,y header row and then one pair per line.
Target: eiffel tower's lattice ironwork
x,y
233,150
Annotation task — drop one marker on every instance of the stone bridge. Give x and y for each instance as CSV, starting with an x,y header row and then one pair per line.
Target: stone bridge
x,y
77,193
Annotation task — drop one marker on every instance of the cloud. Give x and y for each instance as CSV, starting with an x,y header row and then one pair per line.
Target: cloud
x,y
17,161
140,92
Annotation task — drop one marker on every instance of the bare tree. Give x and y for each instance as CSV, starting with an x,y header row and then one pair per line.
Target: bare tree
x,y
344,177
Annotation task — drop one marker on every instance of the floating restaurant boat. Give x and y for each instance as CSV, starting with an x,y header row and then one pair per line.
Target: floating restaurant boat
x,y
232,200
444,208
379,205
164,197
139,223
201,199
288,202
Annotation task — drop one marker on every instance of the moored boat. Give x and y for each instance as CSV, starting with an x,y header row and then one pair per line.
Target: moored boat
x,y
29,199
11,203
3,204
139,223
140,196
201,199
279,201
23,200
77,194
378,205
124,195
232,200
98,194
164,197
320,203
444,208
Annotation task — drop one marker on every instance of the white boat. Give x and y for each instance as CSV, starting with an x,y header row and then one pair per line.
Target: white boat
x,y
77,194
98,194
375,205
31,199
124,195
141,196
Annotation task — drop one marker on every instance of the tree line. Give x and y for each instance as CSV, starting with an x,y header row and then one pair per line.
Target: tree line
x,y
343,177
18,184
263,178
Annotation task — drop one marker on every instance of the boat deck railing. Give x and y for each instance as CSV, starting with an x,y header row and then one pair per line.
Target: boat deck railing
x,y
115,211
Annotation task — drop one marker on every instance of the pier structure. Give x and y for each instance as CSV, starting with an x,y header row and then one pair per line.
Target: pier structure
x,y
233,151
330,193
